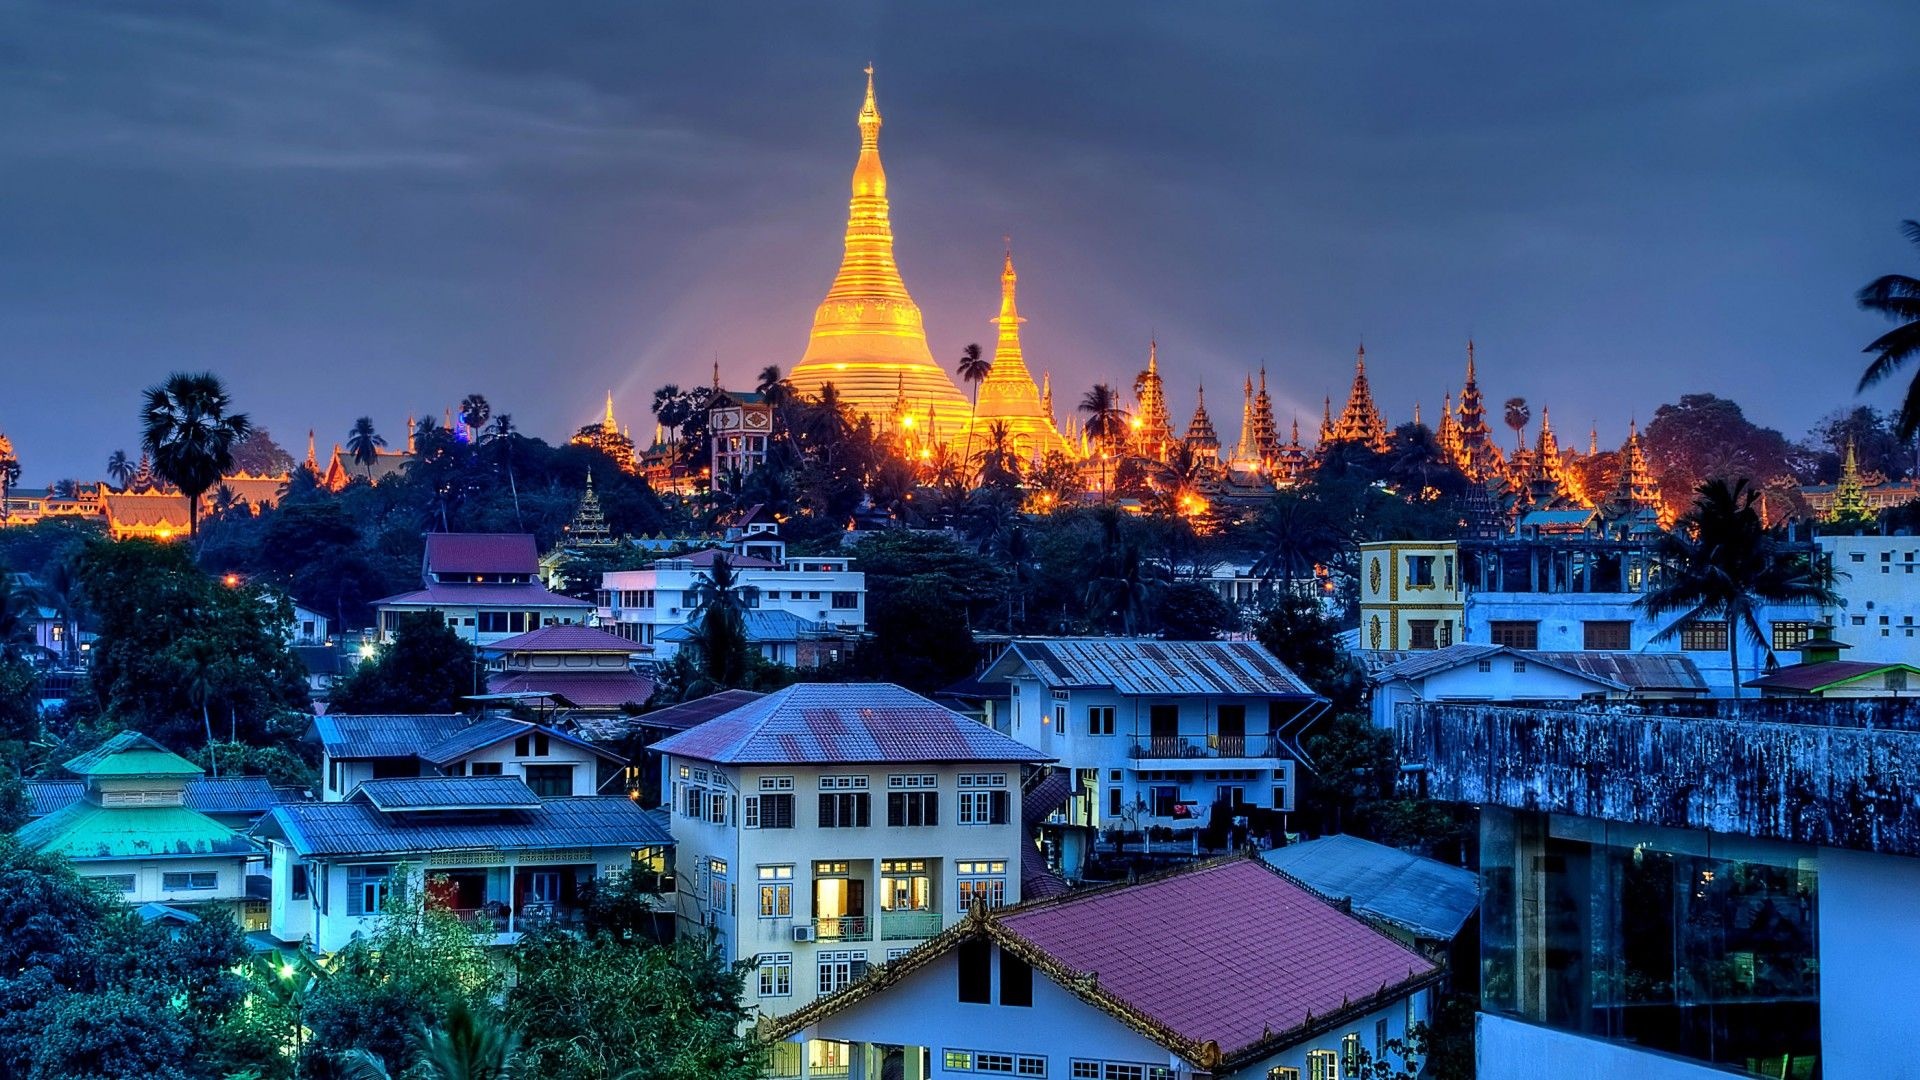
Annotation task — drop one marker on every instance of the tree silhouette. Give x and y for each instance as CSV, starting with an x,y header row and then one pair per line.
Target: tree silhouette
x,y
188,430
1896,296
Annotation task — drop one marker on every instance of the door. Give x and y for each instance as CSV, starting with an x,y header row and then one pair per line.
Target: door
x,y
840,907
1163,726
1233,730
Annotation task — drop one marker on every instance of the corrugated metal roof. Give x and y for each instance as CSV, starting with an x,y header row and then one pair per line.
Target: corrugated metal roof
x,y
1636,671
762,624
84,830
584,689
1420,663
1825,674
844,722
1144,666
482,553
478,735
449,793
365,735
232,795
606,729
46,796
130,753
1424,896
565,639
356,828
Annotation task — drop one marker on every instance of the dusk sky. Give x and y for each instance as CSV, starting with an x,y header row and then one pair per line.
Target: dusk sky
x,y
350,209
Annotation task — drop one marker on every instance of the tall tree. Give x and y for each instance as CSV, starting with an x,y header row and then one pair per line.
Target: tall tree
x,y
119,469
1106,424
1518,413
475,411
187,427
364,444
721,602
972,368
1896,297
1720,563
9,474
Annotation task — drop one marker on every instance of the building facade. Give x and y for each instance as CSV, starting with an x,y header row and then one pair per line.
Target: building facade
x,y
484,586
1411,595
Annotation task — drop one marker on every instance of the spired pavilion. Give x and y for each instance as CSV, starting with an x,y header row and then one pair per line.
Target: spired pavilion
x,y
868,339
1008,395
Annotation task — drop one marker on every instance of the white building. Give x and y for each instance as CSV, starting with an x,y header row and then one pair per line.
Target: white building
x,y
483,585
355,749
485,846
804,610
1469,671
1228,970
130,826
1156,732
1879,589
825,828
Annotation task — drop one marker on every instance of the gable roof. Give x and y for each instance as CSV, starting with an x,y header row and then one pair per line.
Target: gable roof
x,y
481,553
1423,896
1426,662
445,593
581,689
356,828
1636,671
1826,674
369,735
844,722
565,638
84,831
1196,982
130,753
1145,666
705,559
762,624
207,794
671,718
448,793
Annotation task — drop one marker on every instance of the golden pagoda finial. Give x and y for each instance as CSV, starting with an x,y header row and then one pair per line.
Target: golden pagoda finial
x,y
313,462
1360,361
1416,415
607,424
410,433
1469,359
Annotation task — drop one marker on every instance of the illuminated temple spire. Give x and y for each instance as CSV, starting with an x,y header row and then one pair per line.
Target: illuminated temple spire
x,y
1360,421
867,334
1201,438
1155,433
1850,494
607,424
1007,394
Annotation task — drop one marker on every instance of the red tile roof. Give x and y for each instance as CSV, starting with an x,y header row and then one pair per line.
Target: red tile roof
x,y
566,639
844,722
587,690
1230,953
1810,677
481,553
452,594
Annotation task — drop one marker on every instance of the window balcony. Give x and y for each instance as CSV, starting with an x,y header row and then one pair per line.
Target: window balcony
x,y
908,925
846,928
1204,746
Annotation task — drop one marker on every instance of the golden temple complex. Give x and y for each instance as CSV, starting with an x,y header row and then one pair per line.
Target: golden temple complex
x,y
1008,395
868,339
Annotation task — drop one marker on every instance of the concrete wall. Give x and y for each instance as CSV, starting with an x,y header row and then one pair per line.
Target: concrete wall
x,y
585,764
1869,950
149,877
1878,578
1516,1050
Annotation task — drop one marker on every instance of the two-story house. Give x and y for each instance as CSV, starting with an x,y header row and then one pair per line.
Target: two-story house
x,y
1156,733
131,825
485,846
1229,970
826,827
552,763
579,667
485,586
803,611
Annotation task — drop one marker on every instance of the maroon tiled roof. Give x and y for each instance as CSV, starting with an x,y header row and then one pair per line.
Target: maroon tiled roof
x,y
439,594
844,722
565,639
1230,953
1824,673
586,689
481,553
738,562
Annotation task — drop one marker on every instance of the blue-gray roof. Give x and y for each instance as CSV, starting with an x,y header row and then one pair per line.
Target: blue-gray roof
x,y
449,793
353,829
1145,666
46,796
818,723
373,735
478,735
1423,896
762,624
207,794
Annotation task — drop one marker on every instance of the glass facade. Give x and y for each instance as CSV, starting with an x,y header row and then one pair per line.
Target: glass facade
x,y
1685,942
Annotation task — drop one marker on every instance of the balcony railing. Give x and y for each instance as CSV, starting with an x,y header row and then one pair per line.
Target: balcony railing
x,y
1204,746
903,925
846,928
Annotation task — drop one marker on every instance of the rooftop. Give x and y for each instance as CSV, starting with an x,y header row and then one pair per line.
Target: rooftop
x,y
1146,666
449,793
565,639
762,624
481,553
84,831
445,594
580,689
1425,897
358,828
436,738
843,722
131,754
679,717
1826,674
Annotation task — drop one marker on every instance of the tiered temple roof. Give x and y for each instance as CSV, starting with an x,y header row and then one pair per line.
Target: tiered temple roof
x,y
1154,435
1007,394
1360,421
1201,438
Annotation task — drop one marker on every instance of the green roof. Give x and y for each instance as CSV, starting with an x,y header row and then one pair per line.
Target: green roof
x,y
86,830
131,754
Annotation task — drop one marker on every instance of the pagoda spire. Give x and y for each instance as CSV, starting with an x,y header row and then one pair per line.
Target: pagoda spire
x,y
313,461
1361,421
1201,437
1247,452
1007,395
411,433
607,424
1155,433
1850,494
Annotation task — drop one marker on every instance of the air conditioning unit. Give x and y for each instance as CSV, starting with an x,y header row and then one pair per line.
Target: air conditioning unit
x,y
803,933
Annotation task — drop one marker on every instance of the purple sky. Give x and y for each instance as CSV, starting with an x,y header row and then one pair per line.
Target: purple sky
x,y
348,209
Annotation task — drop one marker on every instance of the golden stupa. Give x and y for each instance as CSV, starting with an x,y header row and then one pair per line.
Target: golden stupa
x,y
1008,395
868,339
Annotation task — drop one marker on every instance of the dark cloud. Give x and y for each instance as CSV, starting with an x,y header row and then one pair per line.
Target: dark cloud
x,y
371,208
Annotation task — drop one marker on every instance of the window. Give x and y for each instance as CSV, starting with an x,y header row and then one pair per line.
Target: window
x,y
493,622
845,601
1419,571
1484,666
485,768
1016,981
845,810
905,885
1323,1065
123,882
957,1060
1607,635
1703,635
776,892
1350,1054
717,891
839,969
366,889
768,812
913,808
717,807
549,781
1421,635
1380,1040
990,1061
1100,720
776,974
543,887
1789,634
1283,1072
297,886
196,881
1519,667
983,799
984,880
973,960
1515,635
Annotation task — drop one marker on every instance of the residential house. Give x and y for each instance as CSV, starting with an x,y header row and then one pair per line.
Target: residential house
x,y
129,823
1477,671
486,846
1175,976
484,586
1822,675
1155,733
826,827
1679,896
803,611
633,737
310,627
578,667
552,763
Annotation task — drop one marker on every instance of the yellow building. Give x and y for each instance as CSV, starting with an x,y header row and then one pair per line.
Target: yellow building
x,y
868,339
1410,595
1008,394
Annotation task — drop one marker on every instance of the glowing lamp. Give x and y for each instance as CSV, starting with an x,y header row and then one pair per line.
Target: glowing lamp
x,y
232,580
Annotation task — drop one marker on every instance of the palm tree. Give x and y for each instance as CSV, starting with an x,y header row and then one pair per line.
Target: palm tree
x,y
1000,458
1294,534
1897,296
972,368
187,429
467,1046
1721,564
364,443
1106,424
475,411
1517,416
119,469
9,474
502,434
723,600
